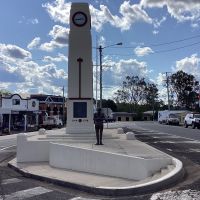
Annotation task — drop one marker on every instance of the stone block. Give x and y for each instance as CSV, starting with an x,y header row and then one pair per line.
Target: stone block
x,y
42,131
130,136
120,131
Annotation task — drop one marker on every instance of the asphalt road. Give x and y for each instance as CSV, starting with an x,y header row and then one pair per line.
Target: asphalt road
x,y
174,130
179,142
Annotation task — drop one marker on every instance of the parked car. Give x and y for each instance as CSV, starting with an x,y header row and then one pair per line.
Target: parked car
x,y
168,117
50,122
192,119
172,119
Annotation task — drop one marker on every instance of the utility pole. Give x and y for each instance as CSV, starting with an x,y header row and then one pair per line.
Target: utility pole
x,y
100,62
167,82
96,73
100,48
63,89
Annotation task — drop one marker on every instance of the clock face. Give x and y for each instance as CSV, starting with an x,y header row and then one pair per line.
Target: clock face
x,y
79,18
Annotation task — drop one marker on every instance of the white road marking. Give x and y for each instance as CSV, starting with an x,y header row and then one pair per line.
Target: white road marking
x,y
177,195
24,194
11,180
180,142
165,142
195,150
81,198
5,148
169,149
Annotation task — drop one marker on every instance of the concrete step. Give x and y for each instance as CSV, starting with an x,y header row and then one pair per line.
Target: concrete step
x,y
162,172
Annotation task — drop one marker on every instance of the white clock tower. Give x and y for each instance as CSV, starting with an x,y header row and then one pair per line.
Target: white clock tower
x,y
80,71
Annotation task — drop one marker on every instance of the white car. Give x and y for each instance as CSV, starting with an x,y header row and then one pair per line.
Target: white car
x,y
172,119
192,119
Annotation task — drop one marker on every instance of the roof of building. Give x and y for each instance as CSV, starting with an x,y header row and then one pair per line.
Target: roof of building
x,y
150,112
123,114
47,98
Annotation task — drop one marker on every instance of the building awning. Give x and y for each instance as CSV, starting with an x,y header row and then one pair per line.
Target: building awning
x,y
5,111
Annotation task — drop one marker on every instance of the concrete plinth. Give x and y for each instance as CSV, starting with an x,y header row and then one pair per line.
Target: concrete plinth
x,y
80,124
118,156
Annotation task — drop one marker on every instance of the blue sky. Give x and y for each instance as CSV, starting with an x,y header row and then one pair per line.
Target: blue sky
x,y
34,42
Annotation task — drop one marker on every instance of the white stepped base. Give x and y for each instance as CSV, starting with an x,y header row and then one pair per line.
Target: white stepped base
x,y
104,163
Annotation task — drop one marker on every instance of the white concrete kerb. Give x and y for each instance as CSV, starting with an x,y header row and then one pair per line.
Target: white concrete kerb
x,y
130,136
120,131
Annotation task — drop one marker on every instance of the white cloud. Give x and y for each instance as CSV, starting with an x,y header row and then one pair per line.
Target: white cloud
x,y
155,32
34,43
49,46
181,10
157,23
161,78
102,41
28,21
59,36
142,51
115,73
190,65
23,75
129,14
34,21
195,25
59,58
4,86
13,52
59,11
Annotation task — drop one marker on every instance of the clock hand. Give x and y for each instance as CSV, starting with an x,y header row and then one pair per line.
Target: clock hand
x,y
80,19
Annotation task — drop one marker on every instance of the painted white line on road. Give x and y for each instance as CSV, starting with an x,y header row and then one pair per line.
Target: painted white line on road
x,y
11,180
195,150
24,194
164,142
169,149
5,148
81,198
179,142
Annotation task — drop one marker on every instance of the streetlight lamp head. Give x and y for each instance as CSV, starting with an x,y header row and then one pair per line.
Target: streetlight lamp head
x,y
120,43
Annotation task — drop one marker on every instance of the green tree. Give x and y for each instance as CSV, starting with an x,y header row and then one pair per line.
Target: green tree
x,y
151,93
5,92
132,92
109,104
183,85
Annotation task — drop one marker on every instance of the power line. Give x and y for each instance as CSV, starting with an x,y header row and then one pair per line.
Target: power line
x,y
175,41
173,49
161,51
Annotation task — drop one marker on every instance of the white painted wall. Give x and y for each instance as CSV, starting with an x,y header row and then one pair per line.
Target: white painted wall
x,y
92,161
25,104
31,151
31,103
8,103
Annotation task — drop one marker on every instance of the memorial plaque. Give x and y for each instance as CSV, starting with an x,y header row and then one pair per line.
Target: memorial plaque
x,y
80,110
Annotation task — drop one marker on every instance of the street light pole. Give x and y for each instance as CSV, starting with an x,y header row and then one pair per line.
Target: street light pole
x,y
100,48
63,116
100,62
